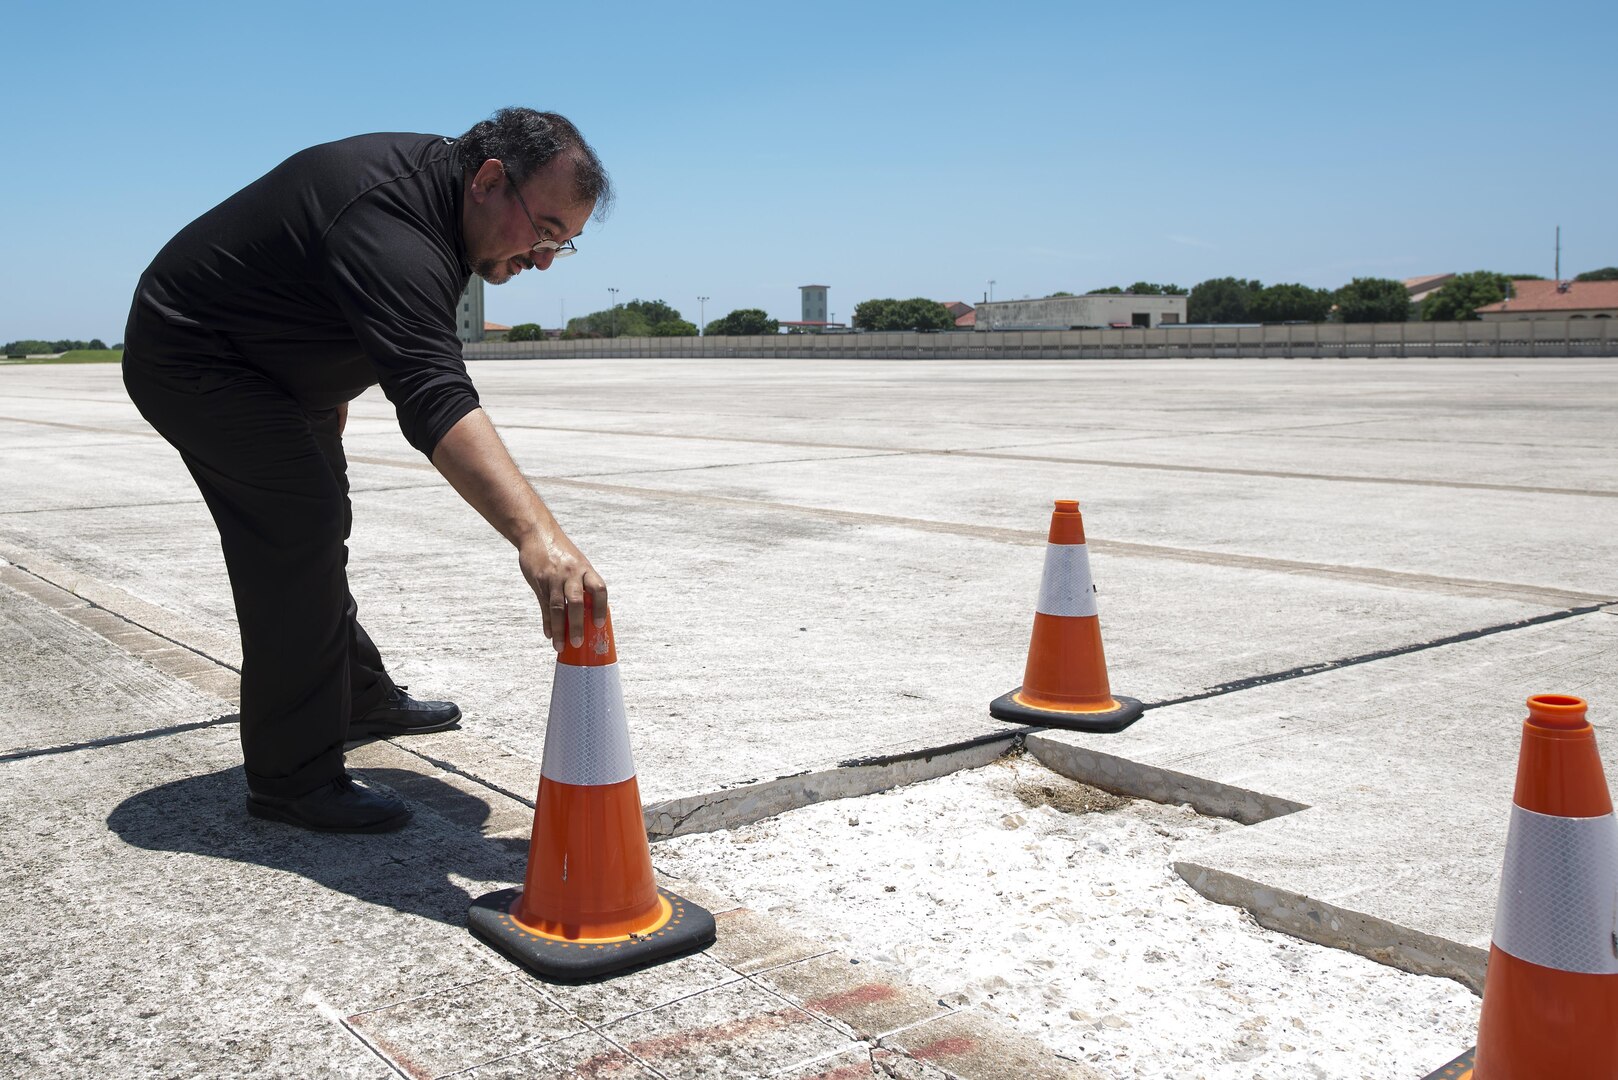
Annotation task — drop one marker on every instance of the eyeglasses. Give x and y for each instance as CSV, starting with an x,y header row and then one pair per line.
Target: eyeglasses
x,y
558,249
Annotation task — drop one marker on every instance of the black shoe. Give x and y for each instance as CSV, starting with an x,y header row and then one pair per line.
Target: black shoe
x,y
340,806
401,714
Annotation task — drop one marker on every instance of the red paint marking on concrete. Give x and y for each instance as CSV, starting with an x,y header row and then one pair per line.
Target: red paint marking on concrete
x,y
605,1067
844,1072
954,1046
660,1045
868,994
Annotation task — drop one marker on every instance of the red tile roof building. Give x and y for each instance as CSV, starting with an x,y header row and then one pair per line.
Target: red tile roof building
x,y
1556,300
965,315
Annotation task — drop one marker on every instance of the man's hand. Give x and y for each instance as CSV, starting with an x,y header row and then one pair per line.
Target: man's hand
x,y
560,575
475,462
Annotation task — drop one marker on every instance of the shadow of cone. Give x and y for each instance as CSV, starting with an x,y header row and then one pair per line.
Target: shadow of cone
x,y
1550,998
589,905
1065,682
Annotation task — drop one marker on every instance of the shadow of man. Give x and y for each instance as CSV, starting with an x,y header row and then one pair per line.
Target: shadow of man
x,y
408,871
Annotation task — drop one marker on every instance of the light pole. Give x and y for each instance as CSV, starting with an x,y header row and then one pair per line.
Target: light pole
x,y
991,290
614,307
702,315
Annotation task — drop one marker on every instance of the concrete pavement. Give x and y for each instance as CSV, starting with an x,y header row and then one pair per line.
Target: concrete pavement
x,y
1335,583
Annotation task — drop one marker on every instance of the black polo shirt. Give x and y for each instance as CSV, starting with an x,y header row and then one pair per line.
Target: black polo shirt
x,y
341,268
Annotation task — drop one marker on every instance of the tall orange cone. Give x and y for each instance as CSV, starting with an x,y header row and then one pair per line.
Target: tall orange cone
x,y
1550,999
1065,683
589,905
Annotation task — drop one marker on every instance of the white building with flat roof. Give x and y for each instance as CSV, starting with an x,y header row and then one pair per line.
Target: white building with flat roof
x,y
1080,312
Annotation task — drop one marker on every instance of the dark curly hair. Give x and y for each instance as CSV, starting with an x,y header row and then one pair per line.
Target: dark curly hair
x,y
525,140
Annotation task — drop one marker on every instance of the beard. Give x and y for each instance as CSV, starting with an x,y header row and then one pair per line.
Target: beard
x,y
496,271
492,271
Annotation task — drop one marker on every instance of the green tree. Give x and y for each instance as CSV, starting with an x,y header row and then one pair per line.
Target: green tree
x,y
915,314
923,314
653,311
1606,273
744,322
1148,288
613,322
1110,290
526,331
1222,300
876,315
1289,303
1371,299
1056,294
1463,294
34,345
674,328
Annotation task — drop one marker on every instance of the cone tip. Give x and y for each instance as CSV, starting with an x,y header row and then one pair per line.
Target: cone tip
x,y
1067,506
1557,711
598,647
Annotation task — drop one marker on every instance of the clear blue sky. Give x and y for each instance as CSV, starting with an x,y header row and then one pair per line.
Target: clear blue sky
x,y
884,149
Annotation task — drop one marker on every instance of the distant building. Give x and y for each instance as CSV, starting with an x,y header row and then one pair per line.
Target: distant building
x,y
493,331
1075,312
814,302
814,319
469,312
1420,288
1555,300
965,315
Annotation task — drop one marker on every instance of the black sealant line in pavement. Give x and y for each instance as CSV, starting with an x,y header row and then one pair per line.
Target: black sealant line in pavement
x,y
738,464
992,453
355,493
455,770
103,506
176,642
1014,737
1536,594
118,740
1381,654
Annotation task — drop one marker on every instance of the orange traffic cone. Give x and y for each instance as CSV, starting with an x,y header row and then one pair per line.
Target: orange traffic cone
x,y
1065,683
1550,999
589,905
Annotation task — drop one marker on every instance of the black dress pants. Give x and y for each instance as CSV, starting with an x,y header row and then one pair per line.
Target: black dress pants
x,y
275,478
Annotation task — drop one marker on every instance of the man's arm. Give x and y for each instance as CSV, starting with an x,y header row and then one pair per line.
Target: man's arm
x,y
475,462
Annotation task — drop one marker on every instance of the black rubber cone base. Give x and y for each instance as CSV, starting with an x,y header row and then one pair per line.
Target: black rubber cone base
x,y
1007,707
1459,1069
689,929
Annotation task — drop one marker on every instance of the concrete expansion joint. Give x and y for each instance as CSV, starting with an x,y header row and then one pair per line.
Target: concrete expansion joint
x,y
728,465
118,740
1324,666
93,605
730,807
453,769
1327,924
1121,776
327,1012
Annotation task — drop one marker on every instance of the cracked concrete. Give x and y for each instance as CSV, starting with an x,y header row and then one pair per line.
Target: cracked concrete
x,y
795,626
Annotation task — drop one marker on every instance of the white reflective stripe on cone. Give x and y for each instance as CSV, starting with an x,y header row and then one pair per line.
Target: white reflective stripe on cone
x,y
587,735
1066,588
1559,892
